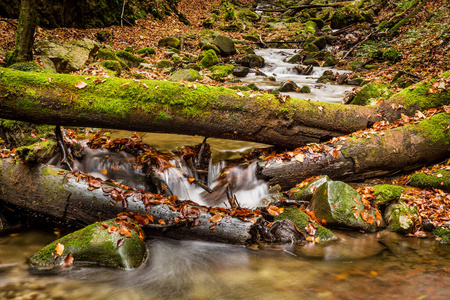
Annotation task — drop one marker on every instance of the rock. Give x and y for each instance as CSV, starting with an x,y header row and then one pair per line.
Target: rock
x,y
253,86
357,64
252,61
225,45
310,27
355,81
128,58
439,179
330,62
306,226
342,79
338,20
341,206
145,66
204,40
186,75
311,62
319,22
169,42
371,93
304,70
296,59
162,64
67,57
241,88
443,234
210,46
93,245
305,193
320,42
239,71
103,35
386,193
37,153
400,216
288,86
220,73
305,90
192,66
208,58
277,26
30,66
319,55
147,51
311,48
246,14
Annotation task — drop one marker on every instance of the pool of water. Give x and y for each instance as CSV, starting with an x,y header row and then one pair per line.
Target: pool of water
x,y
359,266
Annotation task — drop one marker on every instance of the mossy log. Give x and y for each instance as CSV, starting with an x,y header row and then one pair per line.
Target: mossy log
x,y
161,106
50,193
368,155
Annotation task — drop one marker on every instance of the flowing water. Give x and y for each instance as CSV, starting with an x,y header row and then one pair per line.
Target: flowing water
x,y
358,266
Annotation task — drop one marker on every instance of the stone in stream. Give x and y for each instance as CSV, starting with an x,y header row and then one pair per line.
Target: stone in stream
x,y
305,193
288,86
400,216
252,61
341,206
304,70
94,245
240,71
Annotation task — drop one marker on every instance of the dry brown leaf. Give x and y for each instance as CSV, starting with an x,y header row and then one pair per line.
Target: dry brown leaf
x,y
80,85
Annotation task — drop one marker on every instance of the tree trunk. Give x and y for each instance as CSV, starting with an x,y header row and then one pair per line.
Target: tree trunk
x,y
184,108
50,192
367,155
25,31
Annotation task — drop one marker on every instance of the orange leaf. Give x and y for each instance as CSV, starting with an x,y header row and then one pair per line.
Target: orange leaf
x,y
59,250
336,154
274,211
191,180
68,261
104,171
124,231
80,85
161,222
216,218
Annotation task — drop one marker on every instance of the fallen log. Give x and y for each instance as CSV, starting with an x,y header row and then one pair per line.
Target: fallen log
x,y
365,155
193,109
56,194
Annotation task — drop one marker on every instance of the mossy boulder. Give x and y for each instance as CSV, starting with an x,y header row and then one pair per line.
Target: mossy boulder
x,y
252,61
186,75
163,64
439,179
240,71
338,20
288,86
330,62
392,55
305,90
296,59
443,234
385,193
311,62
246,14
208,59
94,245
112,65
220,73
147,51
208,46
310,27
371,93
319,22
311,47
320,42
67,57
225,45
131,60
319,55
169,42
303,221
40,152
305,193
357,64
192,66
341,206
400,216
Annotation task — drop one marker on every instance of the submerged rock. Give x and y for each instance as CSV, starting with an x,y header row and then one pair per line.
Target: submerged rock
x,y
341,206
122,248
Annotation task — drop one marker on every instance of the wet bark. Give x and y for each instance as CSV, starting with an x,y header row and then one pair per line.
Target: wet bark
x,y
48,194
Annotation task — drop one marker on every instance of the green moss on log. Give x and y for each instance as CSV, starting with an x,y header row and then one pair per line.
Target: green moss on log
x,y
439,179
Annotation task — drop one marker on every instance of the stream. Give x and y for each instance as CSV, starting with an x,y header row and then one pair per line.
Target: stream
x,y
382,265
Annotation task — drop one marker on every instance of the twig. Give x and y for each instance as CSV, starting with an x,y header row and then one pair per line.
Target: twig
x,y
123,10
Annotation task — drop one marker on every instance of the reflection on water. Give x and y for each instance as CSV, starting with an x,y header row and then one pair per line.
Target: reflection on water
x,y
359,266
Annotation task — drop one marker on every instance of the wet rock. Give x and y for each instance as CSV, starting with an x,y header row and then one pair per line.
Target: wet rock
x,y
320,42
95,246
304,70
296,59
342,79
304,223
240,71
225,45
341,206
40,152
305,193
169,42
252,61
283,231
355,81
253,86
400,216
330,62
186,75
305,90
349,95
320,55
311,47
311,62
319,22
386,193
371,93
288,86
67,57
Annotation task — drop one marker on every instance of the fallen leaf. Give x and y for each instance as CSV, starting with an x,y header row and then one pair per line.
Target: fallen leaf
x,y
216,218
300,157
240,94
59,250
68,261
125,84
120,242
104,171
80,85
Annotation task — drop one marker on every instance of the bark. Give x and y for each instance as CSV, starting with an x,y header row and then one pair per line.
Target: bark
x,y
368,155
48,194
25,31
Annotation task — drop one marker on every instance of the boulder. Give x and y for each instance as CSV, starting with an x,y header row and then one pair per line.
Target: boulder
x,y
169,42
210,46
296,59
310,27
208,58
400,216
186,75
342,79
277,26
304,70
147,51
220,73
240,71
305,192
252,61
248,15
341,206
288,86
95,245
311,47
330,62
311,62
371,93
162,64
225,45
67,57
385,193
129,59
305,90
320,42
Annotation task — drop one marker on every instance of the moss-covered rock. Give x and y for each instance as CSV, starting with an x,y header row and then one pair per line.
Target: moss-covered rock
x,y
305,193
296,59
241,88
400,216
385,193
392,55
163,64
208,59
246,14
186,75
40,152
147,51
341,206
252,61
240,71
288,86
319,55
302,221
169,42
225,45
305,90
443,234
311,62
208,46
192,66
28,67
311,47
112,65
330,62
371,93
131,60
439,179
220,73
320,42
310,27
95,245
319,22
